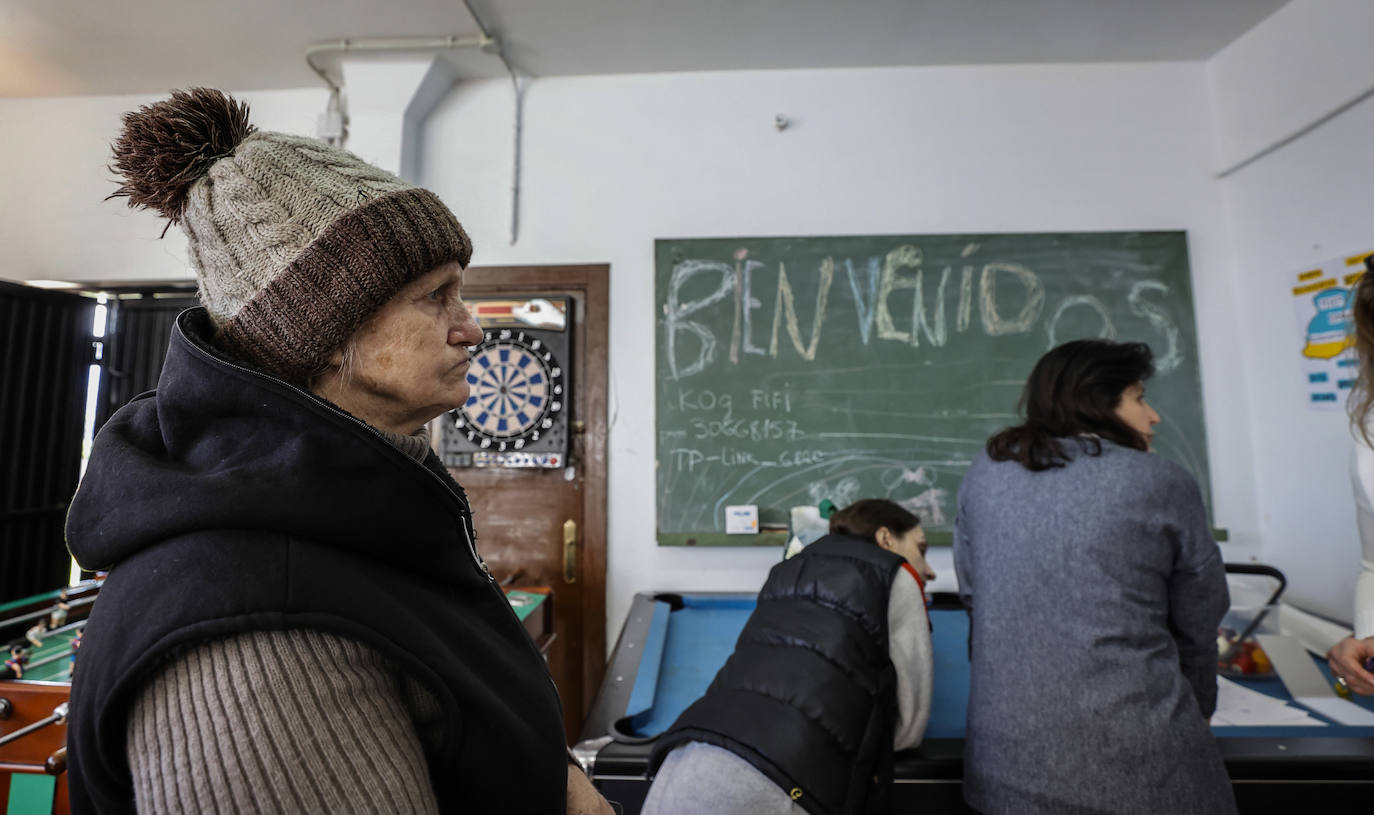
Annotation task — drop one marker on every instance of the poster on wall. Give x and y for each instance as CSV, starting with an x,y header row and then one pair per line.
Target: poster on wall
x,y
1321,301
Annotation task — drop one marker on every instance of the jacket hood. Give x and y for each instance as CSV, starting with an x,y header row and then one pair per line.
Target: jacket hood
x,y
220,445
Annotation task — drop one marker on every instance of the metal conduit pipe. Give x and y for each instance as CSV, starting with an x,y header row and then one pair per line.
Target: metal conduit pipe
x,y
519,124
484,42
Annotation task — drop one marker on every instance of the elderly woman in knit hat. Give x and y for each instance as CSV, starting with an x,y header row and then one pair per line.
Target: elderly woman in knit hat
x,y
297,618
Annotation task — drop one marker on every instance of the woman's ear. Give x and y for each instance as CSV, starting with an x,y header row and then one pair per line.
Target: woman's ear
x,y
884,537
323,381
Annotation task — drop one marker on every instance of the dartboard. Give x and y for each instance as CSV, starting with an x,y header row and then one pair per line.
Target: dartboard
x,y
516,391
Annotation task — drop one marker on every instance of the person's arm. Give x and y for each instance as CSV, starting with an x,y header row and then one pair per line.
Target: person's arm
x,y
277,722
1351,658
1364,597
962,551
583,797
908,632
1198,596
1362,482
963,556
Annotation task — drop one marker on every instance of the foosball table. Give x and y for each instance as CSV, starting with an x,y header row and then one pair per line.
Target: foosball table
x,y
40,636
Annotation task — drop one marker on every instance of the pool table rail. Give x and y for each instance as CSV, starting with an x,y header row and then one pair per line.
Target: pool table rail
x,y
1268,766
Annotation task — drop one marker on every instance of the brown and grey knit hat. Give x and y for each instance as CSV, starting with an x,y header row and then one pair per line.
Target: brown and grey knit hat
x,y
295,243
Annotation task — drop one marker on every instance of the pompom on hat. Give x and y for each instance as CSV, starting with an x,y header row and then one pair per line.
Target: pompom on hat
x,y
295,243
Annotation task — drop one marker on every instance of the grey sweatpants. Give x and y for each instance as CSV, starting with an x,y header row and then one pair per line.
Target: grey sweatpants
x,y
698,778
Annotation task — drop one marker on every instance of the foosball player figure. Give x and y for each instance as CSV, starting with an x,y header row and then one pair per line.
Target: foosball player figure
x,y
36,633
58,618
76,645
14,665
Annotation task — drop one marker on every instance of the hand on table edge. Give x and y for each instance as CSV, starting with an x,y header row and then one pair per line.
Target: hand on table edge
x,y
583,797
1347,659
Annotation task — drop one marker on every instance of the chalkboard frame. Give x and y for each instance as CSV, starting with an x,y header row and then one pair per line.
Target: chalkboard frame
x,y
1135,281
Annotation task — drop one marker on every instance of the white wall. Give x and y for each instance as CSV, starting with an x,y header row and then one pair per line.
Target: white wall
x,y
611,163
1306,61
1300,204
54,221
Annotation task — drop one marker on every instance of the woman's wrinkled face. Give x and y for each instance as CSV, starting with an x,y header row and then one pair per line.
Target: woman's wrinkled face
x,y
1137,413
410,360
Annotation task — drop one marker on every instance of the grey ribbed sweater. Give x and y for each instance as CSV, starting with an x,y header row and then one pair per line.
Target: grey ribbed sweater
x,y
1095,591
284,722
281,722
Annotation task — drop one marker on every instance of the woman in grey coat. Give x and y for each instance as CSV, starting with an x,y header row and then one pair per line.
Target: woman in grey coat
x,y
1095,590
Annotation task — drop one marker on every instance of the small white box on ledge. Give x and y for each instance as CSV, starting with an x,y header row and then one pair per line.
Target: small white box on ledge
x,y
742,520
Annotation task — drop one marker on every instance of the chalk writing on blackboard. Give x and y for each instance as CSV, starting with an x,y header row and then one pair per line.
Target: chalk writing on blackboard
x,y
797,369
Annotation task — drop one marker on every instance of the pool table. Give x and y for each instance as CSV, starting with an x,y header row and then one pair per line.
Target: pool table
x,y
672,644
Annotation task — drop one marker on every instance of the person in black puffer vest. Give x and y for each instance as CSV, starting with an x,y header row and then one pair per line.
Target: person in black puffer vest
x,y
831,674
296,617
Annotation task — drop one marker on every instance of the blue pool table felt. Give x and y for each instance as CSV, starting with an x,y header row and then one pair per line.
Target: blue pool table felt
x,y
684,649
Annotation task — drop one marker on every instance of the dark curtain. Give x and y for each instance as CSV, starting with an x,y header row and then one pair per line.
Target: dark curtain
x,y
46,350
45,353
135,345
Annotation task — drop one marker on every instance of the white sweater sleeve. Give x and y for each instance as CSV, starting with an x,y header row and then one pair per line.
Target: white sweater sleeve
x,y
1364,598
909,646
1362,480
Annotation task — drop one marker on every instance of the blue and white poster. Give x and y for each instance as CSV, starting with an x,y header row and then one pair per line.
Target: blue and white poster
x,y
1321,299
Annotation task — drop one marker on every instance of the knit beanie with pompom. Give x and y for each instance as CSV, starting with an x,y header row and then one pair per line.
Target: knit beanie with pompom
x,y
295,243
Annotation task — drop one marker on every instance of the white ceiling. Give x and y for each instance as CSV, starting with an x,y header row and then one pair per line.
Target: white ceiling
x,y
78,47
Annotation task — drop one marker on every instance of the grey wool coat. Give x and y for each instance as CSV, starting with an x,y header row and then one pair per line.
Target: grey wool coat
x,y
1095,591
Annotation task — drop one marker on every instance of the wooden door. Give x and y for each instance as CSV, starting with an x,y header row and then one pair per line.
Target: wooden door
x,y
521,514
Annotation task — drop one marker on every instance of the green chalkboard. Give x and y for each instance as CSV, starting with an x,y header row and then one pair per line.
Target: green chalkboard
x,y
791,370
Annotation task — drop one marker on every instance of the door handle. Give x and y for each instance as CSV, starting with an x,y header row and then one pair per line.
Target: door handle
x,y
570,551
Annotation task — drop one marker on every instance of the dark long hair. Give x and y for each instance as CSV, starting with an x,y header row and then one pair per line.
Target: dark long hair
x,y
863,519
1074,389
1361,401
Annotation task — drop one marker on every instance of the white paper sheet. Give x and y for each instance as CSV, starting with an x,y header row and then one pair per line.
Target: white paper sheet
x,y
1308,684
1239,706
1340,710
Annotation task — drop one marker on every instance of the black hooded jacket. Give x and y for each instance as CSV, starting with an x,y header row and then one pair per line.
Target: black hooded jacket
x,y
809,695
229,501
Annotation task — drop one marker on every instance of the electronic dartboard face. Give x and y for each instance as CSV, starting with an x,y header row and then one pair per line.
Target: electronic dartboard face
x,y
517,392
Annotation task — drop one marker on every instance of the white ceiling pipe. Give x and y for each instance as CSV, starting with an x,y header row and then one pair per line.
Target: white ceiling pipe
x,y
484,42
394,45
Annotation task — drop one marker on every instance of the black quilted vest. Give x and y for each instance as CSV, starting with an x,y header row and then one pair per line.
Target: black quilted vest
x,y
809,694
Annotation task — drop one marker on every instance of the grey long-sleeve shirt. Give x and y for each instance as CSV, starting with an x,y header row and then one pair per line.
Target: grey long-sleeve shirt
x,y
1095,591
